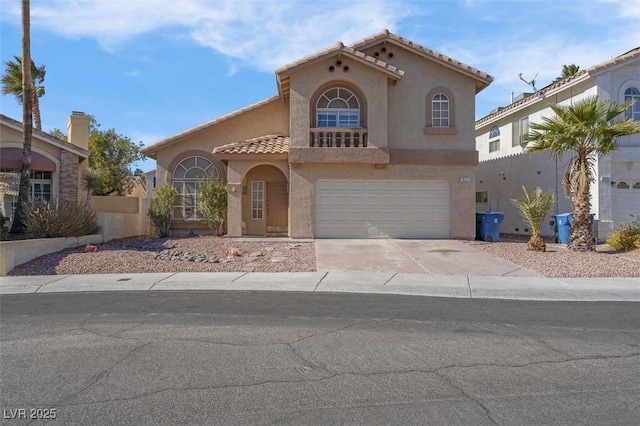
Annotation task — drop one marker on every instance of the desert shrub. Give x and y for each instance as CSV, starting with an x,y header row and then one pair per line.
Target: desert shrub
x,y
4,232
534,208
213,203
161,210
58,218
626,236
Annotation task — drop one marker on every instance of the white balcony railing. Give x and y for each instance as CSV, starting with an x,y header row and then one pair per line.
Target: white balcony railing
x,y
338,138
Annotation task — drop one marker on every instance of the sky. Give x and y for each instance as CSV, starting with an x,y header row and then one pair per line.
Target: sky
x,y
153,68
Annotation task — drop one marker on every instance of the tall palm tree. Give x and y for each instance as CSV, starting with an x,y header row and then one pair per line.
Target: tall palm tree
x,y
27,120
12,85
586,129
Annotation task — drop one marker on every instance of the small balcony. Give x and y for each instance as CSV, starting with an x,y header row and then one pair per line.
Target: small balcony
x,y
338,138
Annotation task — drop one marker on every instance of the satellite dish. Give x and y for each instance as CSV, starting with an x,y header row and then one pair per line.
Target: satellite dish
x,y
532,82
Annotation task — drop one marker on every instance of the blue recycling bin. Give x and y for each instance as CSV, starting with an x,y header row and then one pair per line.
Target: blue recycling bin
x,y
488,226
563,222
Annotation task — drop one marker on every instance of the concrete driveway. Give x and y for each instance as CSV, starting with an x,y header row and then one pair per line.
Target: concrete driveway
x,y
448,257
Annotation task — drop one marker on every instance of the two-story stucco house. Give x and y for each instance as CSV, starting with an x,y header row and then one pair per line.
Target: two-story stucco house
x,y
505,166
56,165
369,140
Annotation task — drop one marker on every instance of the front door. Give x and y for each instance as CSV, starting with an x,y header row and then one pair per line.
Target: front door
x,y
277,207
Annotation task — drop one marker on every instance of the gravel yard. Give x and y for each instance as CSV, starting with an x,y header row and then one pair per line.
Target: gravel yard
x,y
198,254
212,254
559,262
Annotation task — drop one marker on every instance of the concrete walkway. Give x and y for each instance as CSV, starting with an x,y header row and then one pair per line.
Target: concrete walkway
x,y
462,286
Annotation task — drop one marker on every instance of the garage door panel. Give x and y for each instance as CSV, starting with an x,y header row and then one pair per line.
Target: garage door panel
x,y
375,209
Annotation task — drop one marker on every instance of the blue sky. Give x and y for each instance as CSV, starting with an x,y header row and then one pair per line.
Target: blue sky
x,y
153,68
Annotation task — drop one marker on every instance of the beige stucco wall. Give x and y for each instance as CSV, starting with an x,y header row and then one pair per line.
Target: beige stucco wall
x,y
372,84
407,102
304,177
11,138
272,118
121,217
237,189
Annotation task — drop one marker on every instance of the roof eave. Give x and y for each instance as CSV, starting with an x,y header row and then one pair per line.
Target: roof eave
x,y
251,156
44,137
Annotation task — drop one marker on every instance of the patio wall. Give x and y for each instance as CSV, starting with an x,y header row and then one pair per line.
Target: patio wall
x,y
118,217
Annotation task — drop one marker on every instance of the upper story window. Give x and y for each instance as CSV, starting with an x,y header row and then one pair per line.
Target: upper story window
x,y
633,112
185,180
520,130
338,107
440,110
494,139
441,115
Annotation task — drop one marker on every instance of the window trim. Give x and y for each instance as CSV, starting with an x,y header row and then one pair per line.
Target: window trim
x,y
516,140
429,128
494,139
257,204
635,108
338,84
184,181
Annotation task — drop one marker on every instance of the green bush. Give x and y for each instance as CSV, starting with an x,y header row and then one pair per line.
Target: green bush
x,y
626,236
213,203
4,232
58,218
161,210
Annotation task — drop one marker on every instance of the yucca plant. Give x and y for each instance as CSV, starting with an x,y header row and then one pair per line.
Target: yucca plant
x,y
91,183
534,208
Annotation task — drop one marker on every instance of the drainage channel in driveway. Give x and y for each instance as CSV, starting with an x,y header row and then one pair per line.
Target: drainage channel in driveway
x,y
448,257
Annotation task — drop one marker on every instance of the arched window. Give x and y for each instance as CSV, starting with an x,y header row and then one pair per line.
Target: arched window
x,y
633,112
636,185
185,180
440,110
338,107
494,139
622,185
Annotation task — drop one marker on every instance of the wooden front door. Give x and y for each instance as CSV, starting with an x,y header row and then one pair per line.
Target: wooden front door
x,y
277,207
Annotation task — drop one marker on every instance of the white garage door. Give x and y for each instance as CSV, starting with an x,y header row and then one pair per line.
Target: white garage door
x,y
378,209
626,201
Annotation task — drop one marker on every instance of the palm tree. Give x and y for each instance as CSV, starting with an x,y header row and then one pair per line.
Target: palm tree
x,y
27,120
534,208
586,129
12,85
567,71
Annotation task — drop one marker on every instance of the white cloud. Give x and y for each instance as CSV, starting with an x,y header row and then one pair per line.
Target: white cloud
x,y
133,73
260,34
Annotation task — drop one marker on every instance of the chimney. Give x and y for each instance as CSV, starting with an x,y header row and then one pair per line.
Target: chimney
x,y
78,129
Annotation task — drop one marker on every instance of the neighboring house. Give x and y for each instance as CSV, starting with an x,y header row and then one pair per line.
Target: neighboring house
x,y
369,140
56,165
504,166
149,182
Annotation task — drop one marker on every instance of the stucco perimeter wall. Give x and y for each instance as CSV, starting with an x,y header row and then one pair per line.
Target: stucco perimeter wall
x,y
503,178
122,217
271,118
14,253
304,177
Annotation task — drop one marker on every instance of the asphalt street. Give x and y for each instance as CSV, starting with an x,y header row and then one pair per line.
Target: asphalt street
x,y
223,357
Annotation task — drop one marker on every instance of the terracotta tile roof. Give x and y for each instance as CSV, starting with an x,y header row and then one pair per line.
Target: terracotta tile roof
x,y
45,137
567,81
150,150
282,73
268,144
483,79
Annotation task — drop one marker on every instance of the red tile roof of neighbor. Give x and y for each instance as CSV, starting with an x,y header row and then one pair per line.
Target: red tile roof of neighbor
x,y
268,144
